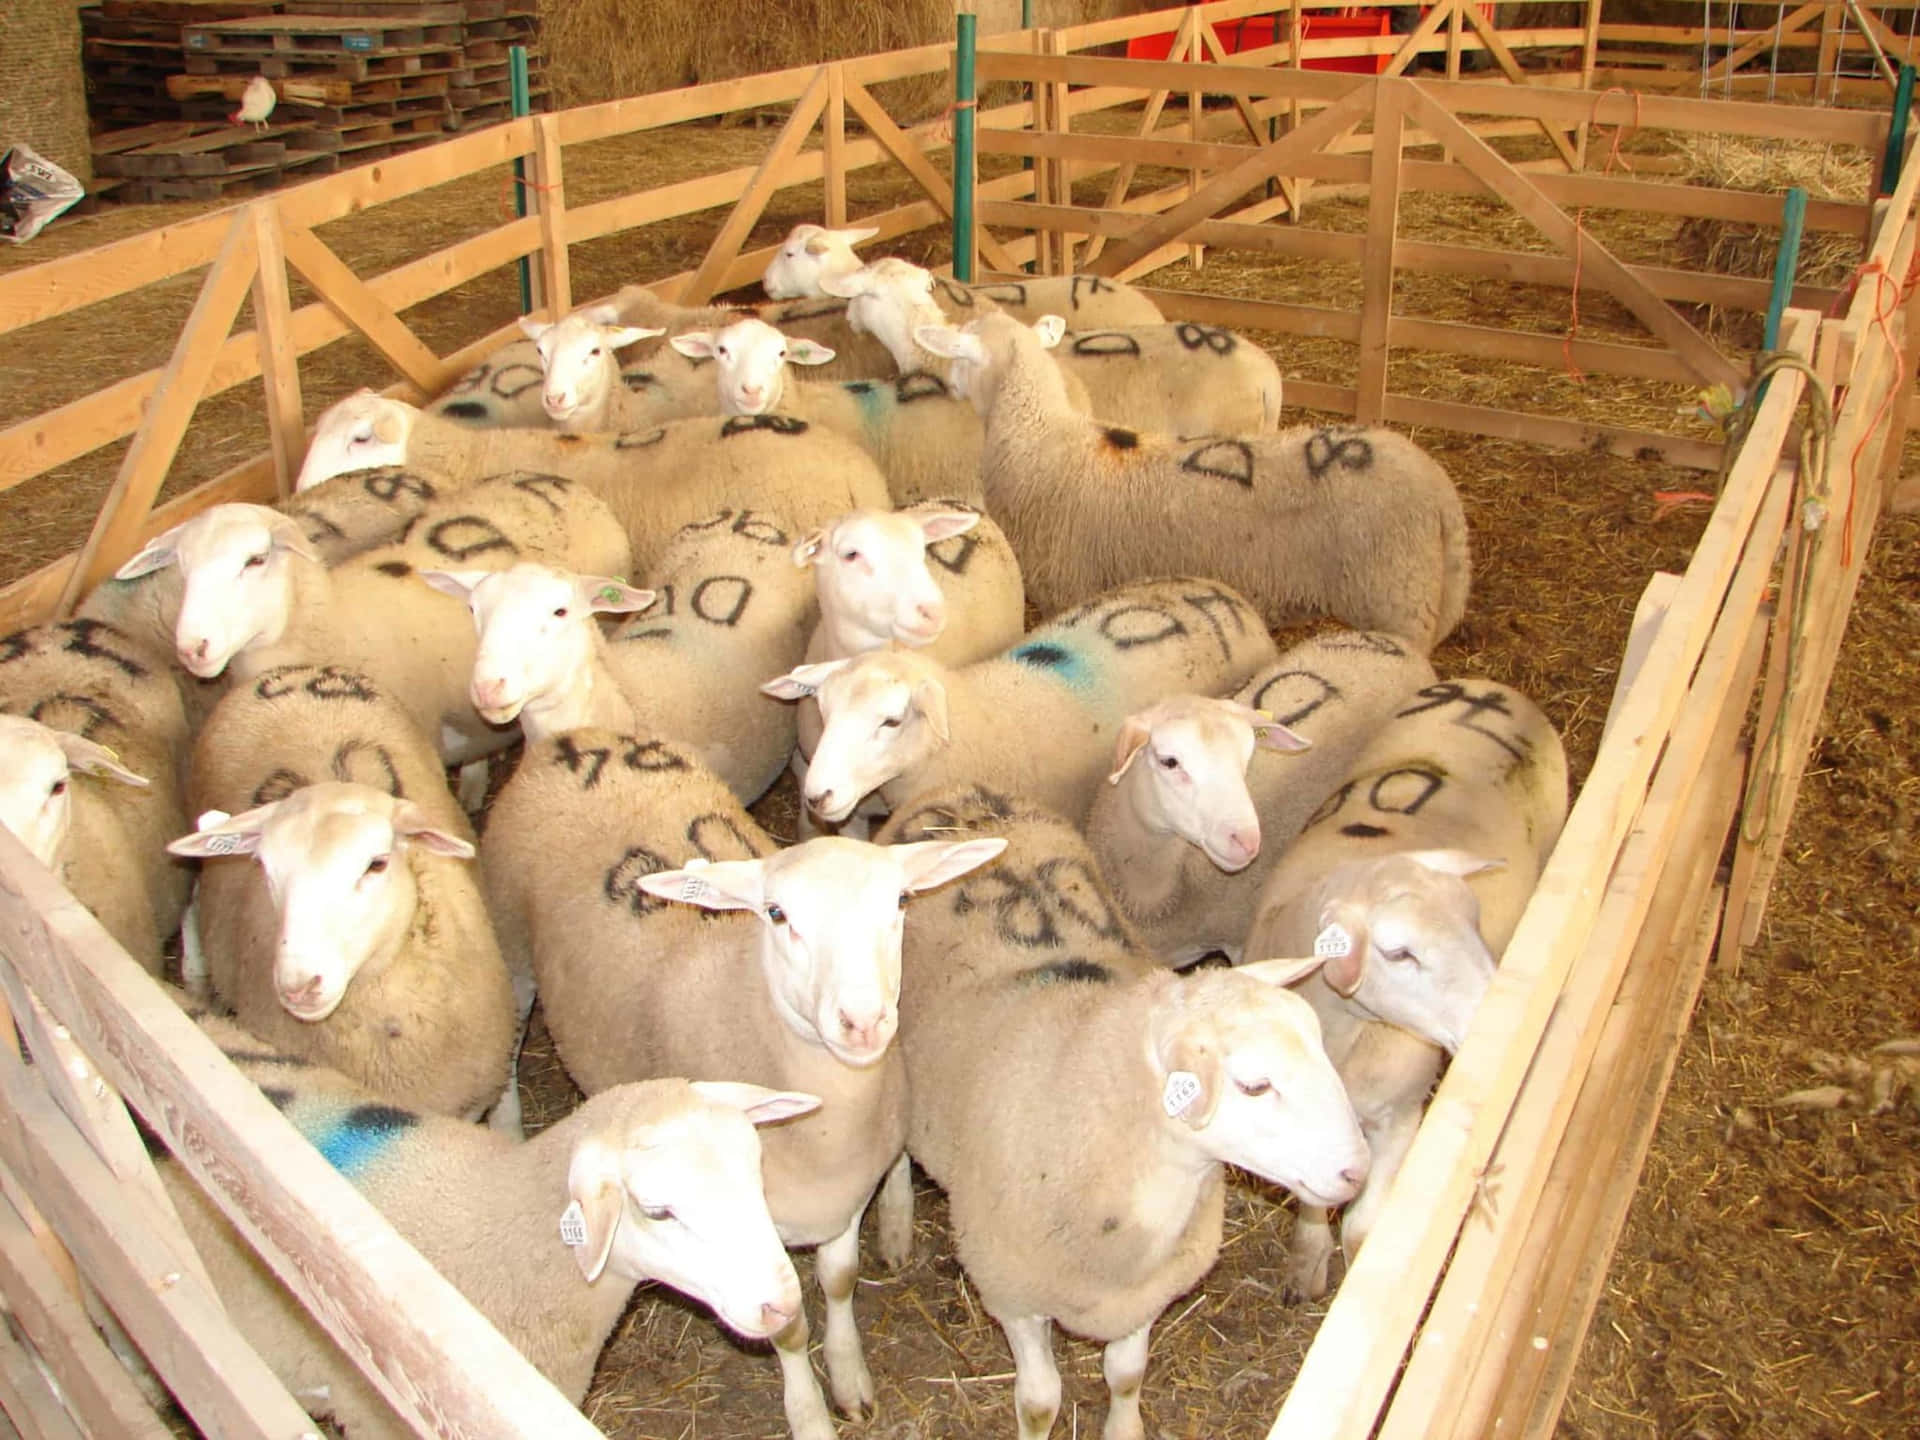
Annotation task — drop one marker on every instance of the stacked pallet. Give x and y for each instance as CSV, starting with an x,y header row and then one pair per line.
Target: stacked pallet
x,y
186,160
130,47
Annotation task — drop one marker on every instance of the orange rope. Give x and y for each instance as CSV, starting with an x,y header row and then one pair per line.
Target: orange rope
x,y
946,117
1901,290
1620,132
509,180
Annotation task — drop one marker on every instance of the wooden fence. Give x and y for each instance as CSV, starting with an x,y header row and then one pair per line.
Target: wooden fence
x,y
1496,1233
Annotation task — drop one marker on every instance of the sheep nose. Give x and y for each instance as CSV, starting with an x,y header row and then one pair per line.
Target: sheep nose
x,y
195,652
1244,841
1354,1175
302,990
487,694
865,1033
776,1317
555,400
820,800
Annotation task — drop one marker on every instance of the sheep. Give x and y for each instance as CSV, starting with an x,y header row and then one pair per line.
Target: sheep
x,y
107,708
1355,522
727,605
1467,780
654,481
1088,302
255,595
361,939
1039,720
577,858
1078,1102
654,1181
1188,827
1187,379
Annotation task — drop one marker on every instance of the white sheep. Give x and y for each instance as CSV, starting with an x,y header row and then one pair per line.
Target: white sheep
x,y
547,1238
726,605
654,481
1089,302
1039,720
360,939
1187,379
89,780
1467,781
803,991
1197,811
1078,1102
1354,522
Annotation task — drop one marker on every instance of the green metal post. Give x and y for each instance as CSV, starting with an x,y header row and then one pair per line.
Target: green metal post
x,y
1793,220
963,98
1897,131
522,105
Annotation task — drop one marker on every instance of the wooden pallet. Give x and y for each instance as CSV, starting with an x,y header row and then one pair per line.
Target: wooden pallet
x,y
440,60
159,151
283,34
292,90
230,186
357,132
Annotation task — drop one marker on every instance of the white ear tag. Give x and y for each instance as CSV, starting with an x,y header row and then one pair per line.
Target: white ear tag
x,y
1183,1088
573,1225
226,844
1332,943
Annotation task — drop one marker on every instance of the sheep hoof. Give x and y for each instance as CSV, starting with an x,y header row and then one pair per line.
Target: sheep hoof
x,y
1306,1279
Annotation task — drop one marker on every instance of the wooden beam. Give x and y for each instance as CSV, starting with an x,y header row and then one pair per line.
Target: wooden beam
x,y
833,147
1376,268
767,178
26,1397
1510,67
1229,186
174,399
1513,187
279,361
550,195
349,297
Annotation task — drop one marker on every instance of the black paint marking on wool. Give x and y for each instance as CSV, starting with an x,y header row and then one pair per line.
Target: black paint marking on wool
x,y
278,786
622,883
1105,342
1205,337
1345,448
277,1095
1092,284
919,385
640,439
84,637
81,715
389,484
461,537
1044,656
1222,459
1361,830
1010,292
776,424
955,553
718,836
15,646
1066,972
1488,702
721,599
549,490
512,380
1121,438
369,763
1371,641
464,410
1281,690
399,569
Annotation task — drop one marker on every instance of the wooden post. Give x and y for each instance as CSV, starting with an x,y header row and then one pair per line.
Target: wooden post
x,y
549,186
1190,27
1059,171
174,400
279,365
1383,216
833,147
1589,53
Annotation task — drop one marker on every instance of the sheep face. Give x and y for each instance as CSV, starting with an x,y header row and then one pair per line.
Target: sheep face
x,y
36,783
981,351
1184,762
536,628
1410,925
678,1198
883,713
361,432
810,252
872,575
832,923
578,359
1245,1070
336,865
750,362
888,300
236,580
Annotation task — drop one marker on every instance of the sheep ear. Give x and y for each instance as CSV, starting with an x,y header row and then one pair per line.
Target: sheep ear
x,y
156,554
621,336
288,536
223,834
606,596
1190,1071
1132,739
930,699
946,341
1270,734
929,863
846,285
802,680
604,314
695,344
857,235
412,824
1281,973
533,329
96,759
807,352
759,1104
599,1204
1342,945
457,583
945,524
1051,329
716,885
818,244
808,549
1457,862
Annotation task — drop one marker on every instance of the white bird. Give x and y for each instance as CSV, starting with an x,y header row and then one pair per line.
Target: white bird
x,y
256,103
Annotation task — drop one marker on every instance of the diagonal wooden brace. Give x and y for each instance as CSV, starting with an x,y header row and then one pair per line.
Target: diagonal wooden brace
x,y
348,296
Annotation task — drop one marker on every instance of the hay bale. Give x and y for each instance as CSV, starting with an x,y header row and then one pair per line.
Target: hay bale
x,y
43,97
1772,167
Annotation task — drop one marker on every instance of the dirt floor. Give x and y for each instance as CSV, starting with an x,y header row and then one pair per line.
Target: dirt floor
x,y
1766,1283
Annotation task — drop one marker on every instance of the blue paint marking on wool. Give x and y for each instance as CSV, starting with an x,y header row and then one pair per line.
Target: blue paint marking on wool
x,y
353,1141
871,397
1067,665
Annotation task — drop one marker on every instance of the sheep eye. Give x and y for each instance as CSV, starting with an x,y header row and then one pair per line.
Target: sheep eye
x,y
254,562
60,788
776,914
1169,762
892,722
1258,1087
594,354
903,899
560,613
1401,953
851,556
377,865
657,1213
721,351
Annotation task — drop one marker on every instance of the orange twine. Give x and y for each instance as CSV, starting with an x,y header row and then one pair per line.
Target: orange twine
x,y
946,117
1620,132
1901,291
509,180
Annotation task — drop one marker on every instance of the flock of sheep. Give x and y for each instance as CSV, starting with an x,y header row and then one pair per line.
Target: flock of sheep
x,y
832,572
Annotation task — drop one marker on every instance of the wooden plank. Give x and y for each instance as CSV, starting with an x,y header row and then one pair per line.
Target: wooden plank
x,y
1558,226
174,399
97,1387
767,178
279,361
1355,1358
1656,600
29,1401
1376,266
1646,446
833,148
1229,186
349,297
550,195
411,1331
1510,67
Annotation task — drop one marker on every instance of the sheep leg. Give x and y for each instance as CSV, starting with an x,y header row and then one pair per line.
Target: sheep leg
x,y
1309,1254
472,788
193,957
800,1390
506,1116
838,1265
1036,1379
1125,1365
896,1214
1388,1144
